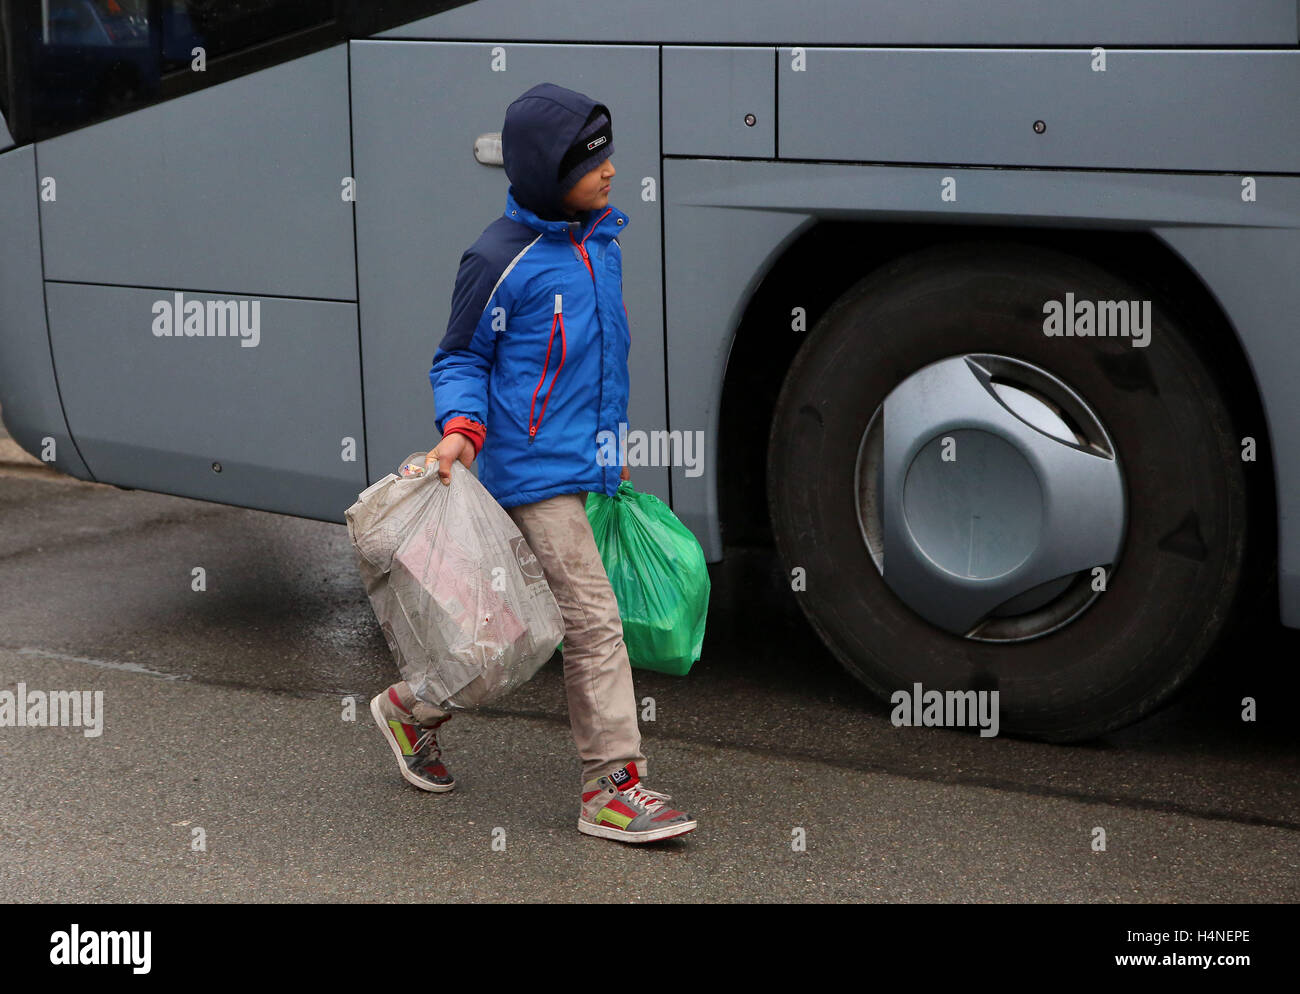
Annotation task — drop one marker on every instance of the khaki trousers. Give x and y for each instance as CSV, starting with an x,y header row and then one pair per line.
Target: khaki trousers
x,y
597,674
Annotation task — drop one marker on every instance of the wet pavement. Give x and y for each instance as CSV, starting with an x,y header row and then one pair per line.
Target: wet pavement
x,y
224,711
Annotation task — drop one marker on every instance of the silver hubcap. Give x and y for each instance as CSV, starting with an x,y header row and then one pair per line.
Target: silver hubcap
x,y
988,492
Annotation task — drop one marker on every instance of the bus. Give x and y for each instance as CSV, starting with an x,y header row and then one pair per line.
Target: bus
x,y
983,311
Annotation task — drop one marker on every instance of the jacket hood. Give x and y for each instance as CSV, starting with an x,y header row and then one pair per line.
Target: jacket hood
x,y
540,127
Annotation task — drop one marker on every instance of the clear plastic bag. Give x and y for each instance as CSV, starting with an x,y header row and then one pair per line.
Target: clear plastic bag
x,y
460,597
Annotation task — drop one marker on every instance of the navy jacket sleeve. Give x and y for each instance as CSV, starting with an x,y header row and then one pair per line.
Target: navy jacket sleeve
x,y
463,363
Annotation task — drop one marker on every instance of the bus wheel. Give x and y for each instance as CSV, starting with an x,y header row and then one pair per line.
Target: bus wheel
x,y
970,493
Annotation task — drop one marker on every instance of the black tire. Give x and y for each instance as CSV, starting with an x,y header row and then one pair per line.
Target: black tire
x,y
1185,543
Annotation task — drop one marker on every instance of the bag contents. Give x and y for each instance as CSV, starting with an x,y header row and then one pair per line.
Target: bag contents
x,y
657,570
460,597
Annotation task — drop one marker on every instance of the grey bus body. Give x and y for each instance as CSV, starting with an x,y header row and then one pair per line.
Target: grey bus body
x,y
339,188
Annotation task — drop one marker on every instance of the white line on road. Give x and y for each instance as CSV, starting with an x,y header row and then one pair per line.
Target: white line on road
x,y
106,664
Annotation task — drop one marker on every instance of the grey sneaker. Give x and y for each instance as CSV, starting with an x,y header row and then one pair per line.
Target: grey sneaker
x,y
415,746
619,807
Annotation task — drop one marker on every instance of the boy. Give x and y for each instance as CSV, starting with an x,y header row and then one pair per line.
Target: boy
x,y
539,297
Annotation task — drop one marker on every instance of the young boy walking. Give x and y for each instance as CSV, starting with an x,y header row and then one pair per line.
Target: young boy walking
x,y
532,367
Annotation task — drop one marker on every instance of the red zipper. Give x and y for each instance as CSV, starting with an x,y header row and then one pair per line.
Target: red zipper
x,y
557,318
582,247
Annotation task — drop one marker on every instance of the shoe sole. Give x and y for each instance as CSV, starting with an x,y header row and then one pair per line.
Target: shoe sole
x,y
411,778
649,835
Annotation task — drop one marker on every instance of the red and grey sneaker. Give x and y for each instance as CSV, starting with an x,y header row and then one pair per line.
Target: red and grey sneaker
x,y
415,746
619,807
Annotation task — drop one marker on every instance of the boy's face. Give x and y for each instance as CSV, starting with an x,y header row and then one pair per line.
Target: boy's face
x,y
592,191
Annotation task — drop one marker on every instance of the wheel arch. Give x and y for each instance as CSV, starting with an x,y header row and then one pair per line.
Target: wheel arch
x,y
817,266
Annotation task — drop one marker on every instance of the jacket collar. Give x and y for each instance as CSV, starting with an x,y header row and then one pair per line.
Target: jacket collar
x,y
611,221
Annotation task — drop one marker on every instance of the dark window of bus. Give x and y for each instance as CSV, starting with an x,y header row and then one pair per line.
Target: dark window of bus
x,y
222,27
90,59
87,60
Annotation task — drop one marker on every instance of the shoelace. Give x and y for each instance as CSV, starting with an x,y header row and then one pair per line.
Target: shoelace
x,y
429,736
647,798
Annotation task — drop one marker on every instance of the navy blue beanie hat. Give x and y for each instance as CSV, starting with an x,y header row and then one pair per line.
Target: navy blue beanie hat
x,y
594,144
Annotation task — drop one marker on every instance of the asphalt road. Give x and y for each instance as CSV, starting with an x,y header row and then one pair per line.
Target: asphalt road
x,y
224,711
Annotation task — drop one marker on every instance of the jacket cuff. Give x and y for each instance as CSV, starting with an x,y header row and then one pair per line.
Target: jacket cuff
x,y
468,427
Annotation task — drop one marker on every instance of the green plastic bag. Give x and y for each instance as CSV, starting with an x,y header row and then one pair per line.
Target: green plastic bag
x,y
656,568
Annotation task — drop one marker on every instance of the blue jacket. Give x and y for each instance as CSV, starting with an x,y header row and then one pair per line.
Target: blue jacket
x,y
536,348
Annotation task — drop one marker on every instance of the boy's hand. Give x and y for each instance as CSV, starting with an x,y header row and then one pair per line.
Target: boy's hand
x,y
626,474
446,452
